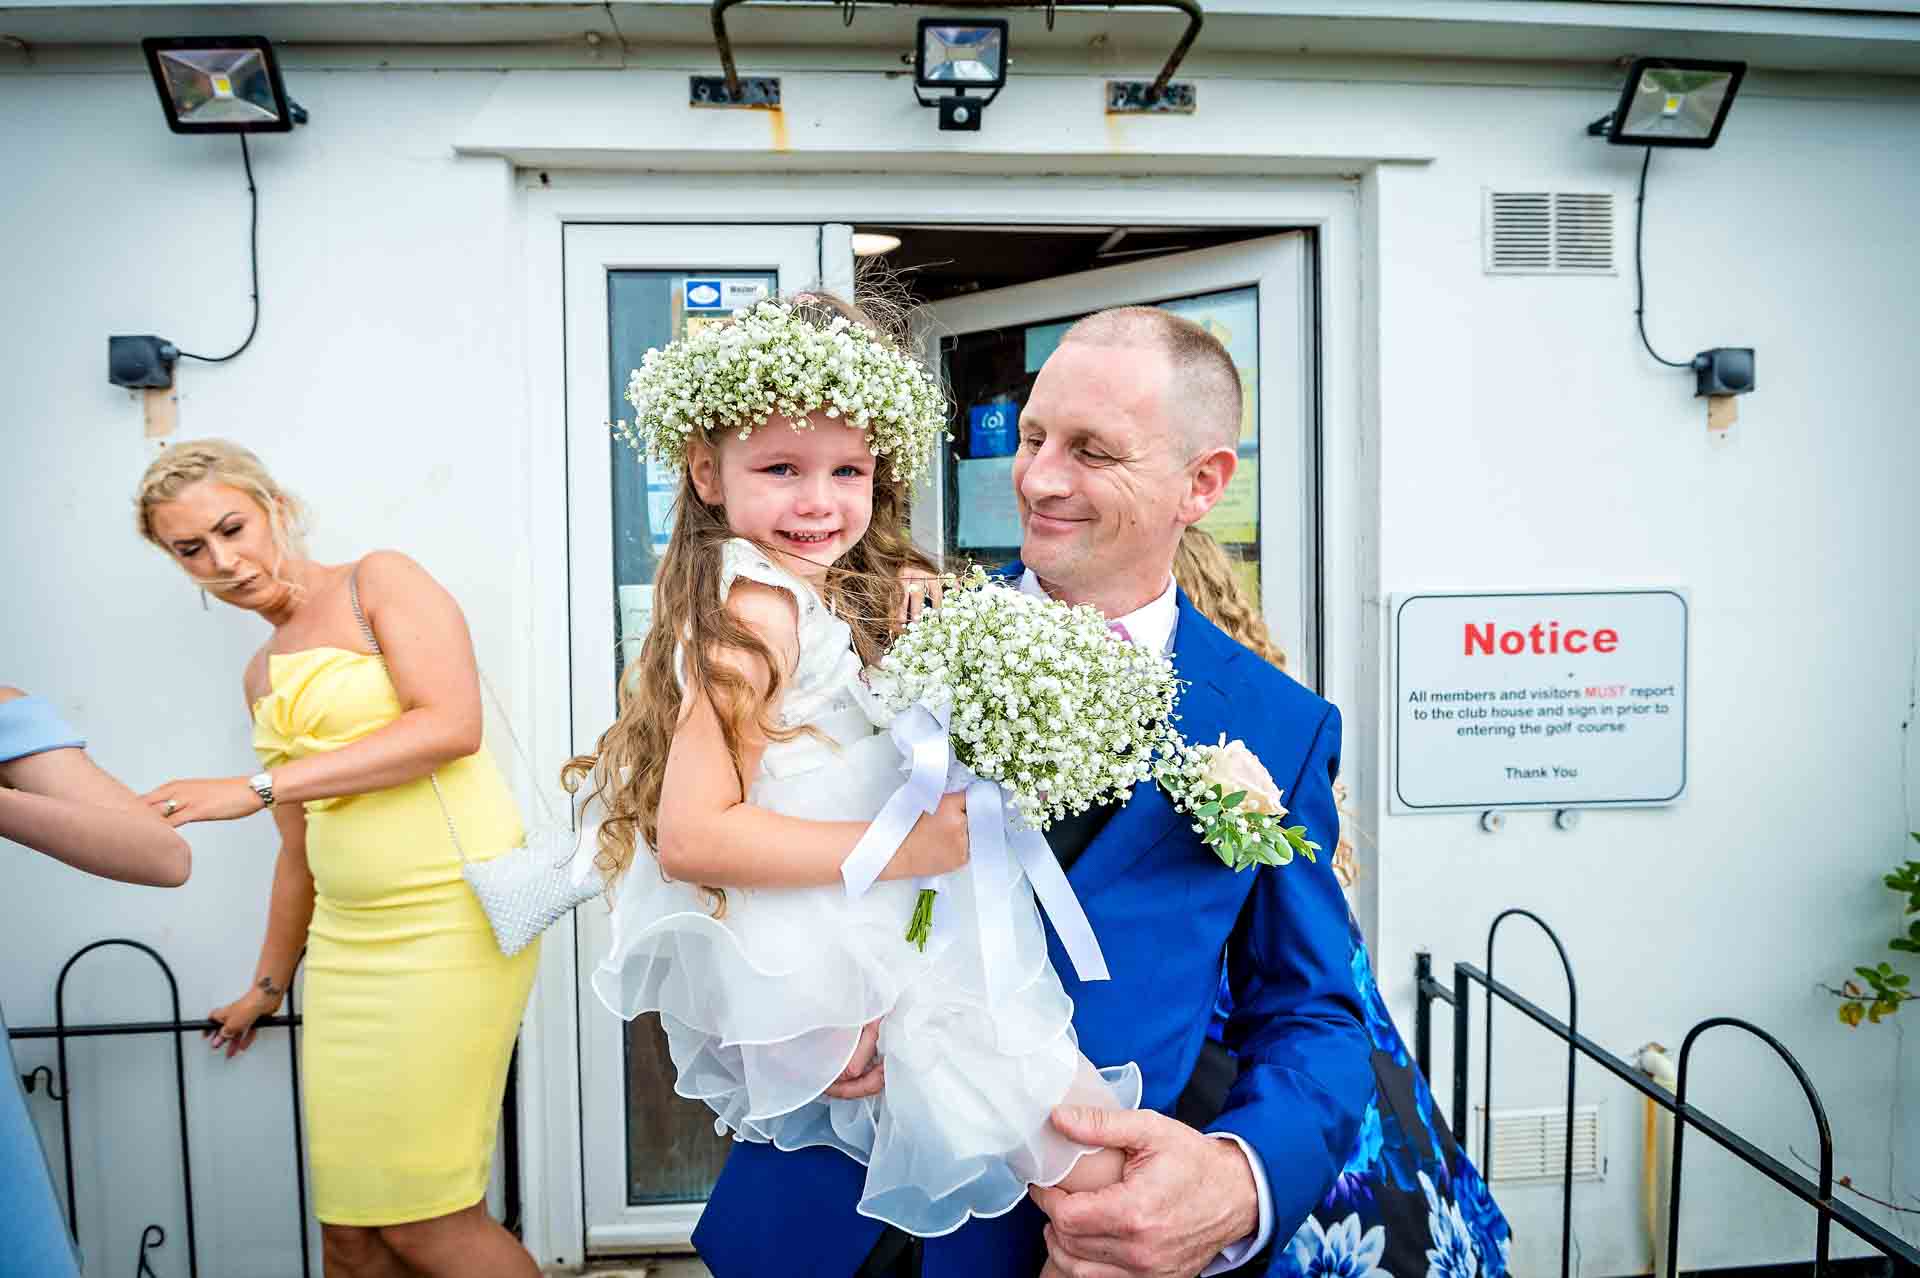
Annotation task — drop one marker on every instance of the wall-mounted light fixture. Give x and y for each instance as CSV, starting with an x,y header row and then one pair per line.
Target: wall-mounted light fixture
x,y
1671,102
960,54
218,84
955,54
1680,102
225,84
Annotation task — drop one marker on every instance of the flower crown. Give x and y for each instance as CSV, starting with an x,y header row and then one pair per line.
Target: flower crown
x,y
771,359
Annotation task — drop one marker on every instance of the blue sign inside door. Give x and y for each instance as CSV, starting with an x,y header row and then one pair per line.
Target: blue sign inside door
x,y
723,295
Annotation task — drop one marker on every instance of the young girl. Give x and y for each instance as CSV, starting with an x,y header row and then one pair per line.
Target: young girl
x,y
747,761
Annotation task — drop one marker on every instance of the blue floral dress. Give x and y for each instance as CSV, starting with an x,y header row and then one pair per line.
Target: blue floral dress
x,y
1408,1203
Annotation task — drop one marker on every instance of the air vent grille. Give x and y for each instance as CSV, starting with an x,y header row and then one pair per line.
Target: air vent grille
x,y
1549,233
1530,1145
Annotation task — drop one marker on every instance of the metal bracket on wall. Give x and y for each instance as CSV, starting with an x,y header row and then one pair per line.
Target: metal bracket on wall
x,y
1137,97
755,92
733,85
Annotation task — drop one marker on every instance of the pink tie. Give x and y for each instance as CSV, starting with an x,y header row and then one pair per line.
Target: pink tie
x,y
1120,629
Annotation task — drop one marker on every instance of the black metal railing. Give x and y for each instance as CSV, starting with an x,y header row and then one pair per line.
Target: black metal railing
x,y
1818,1195
153,1236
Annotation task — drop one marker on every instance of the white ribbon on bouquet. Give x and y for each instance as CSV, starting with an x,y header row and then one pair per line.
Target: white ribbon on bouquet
x,y
996,842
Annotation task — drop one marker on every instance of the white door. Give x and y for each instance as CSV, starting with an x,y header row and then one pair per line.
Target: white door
x,y
649,1156
1257,297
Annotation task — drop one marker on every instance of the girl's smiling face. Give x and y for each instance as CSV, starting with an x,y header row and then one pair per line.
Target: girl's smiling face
x,y
805,491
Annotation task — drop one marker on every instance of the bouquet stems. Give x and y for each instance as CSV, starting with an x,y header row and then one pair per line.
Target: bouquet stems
x,y
921,925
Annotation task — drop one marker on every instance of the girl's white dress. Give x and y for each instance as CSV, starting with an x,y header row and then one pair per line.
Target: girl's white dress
x,y
763,1005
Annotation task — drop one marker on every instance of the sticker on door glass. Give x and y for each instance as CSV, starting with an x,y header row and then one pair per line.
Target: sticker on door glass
x,y
992,427
723,295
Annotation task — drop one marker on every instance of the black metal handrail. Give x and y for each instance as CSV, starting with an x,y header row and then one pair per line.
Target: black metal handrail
x,y
1573,1059
1819,1196
153,1236
1824,1226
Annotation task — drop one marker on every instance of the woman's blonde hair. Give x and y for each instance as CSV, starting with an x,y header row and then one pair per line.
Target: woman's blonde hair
x,y
692,628
1202,569
223,462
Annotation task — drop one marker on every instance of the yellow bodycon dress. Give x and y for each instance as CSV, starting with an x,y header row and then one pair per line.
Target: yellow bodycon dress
x,y
410,1007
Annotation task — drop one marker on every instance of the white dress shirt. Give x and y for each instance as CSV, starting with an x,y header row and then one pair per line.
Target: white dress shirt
x,y
1151,626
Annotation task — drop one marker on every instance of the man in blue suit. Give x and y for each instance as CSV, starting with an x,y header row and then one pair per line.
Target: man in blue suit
x,y
1129,435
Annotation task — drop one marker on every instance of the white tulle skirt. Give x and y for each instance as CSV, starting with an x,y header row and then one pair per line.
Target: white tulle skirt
x,y
763,1008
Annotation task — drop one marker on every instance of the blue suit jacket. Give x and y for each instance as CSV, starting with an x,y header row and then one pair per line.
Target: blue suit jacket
x,y
1165,909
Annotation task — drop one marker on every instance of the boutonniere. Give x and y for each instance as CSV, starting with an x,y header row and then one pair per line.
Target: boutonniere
x,y
1234,804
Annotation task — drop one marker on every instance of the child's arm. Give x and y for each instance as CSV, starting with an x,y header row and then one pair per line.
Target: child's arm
x,y
709,834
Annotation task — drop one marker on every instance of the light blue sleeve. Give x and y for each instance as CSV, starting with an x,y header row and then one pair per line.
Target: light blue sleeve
x,y
30,725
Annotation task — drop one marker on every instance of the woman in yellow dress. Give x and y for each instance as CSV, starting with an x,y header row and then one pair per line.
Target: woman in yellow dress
x,y
411,1010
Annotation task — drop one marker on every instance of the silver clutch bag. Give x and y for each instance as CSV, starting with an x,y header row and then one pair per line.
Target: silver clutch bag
x,y
528,888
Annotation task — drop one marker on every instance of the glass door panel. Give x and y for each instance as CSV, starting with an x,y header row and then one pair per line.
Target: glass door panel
x,y
991,371
673,1153
651,1157
1255,297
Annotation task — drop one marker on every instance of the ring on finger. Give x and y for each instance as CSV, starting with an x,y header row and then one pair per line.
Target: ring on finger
x,y
169,807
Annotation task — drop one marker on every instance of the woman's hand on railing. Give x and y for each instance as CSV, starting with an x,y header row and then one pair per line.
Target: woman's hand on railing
x,y
234,1023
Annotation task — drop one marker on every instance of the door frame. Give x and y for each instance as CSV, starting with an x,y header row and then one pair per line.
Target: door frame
x,y
1350,618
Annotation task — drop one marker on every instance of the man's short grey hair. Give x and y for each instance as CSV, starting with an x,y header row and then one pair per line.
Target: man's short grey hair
x,y
1203,394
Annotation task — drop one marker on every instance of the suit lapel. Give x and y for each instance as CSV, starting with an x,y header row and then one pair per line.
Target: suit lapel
x,y
1200,654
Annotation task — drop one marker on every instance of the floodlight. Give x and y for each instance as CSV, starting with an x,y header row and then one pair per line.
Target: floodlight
x,y
952,53
220,84
1672,102
1678,102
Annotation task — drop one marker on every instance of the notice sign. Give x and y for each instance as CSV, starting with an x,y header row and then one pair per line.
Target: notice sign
x,y
1562,699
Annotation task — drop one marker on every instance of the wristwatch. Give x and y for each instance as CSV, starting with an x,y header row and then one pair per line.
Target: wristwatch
x,y
262,785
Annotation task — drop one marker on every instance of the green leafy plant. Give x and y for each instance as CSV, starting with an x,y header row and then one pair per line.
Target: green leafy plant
x,y
1880,990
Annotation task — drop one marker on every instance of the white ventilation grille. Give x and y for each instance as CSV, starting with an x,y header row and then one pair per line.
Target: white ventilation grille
x,y
1530,1145
1549,233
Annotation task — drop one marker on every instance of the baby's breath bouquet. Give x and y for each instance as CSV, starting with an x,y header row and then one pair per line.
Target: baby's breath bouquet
x,y
1039,697
1234,804
1047,702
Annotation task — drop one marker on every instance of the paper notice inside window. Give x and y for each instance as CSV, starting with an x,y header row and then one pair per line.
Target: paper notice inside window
x,y
983,492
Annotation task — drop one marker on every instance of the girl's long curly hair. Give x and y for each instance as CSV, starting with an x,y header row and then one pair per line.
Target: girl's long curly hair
x,y
1202,569
864,588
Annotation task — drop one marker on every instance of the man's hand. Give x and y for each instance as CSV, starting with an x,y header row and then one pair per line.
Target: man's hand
x,y
865,1073
1183,1197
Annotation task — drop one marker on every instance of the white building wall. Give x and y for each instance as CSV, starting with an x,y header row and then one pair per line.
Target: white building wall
x,y
1511,434
1530,442
383,388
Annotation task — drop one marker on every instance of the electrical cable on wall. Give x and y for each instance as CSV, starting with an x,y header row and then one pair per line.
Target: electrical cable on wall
x,y
253,255
226,84
1639,270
